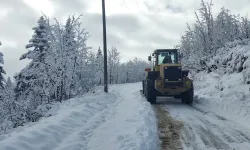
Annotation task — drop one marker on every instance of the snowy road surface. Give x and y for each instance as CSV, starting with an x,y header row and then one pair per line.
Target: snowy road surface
x,y
123,120
206,130
118,120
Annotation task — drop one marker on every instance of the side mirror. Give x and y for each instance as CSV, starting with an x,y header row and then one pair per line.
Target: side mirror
x,y
147,69
149,58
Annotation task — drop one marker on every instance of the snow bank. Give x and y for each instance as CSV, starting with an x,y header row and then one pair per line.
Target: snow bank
x,y
225,91
225,95
120,119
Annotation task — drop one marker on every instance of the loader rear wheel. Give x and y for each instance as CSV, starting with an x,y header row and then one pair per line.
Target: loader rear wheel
x,y
143,89
177,96
188,96
150,92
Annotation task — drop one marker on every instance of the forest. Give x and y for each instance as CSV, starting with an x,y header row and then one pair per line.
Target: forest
x,y
61,67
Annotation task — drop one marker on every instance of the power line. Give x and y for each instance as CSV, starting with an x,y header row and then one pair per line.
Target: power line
x,y
137,5
126,5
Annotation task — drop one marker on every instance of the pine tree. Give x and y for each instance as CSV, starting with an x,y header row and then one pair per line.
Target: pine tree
x,y
67,62
2,80
100,67
71,57
33,80
9,96
1,71
12,115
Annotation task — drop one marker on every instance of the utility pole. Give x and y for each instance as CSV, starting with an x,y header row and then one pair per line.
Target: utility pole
x,y
104,47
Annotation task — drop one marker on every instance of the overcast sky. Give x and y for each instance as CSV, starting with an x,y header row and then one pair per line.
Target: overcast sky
x,y
135,27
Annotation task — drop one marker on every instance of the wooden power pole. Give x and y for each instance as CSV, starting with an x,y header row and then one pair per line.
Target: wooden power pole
x,y
104,47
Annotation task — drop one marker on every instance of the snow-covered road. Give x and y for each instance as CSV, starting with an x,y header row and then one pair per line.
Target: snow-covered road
x,y
205,130
120,119
123,119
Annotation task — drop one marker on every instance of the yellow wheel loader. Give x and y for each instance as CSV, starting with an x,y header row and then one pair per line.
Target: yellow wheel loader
x,y
166,77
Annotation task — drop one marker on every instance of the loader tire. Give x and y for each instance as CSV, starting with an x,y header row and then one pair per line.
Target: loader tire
x,y
143,89
188,96
177,96
150,92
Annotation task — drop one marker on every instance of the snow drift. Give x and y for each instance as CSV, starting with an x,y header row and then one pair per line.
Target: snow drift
x,y
121,119
225,90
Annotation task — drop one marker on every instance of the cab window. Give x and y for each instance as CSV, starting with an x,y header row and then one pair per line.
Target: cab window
x,y
167,57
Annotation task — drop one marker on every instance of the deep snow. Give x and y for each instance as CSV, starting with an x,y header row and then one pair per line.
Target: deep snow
x,y
225,95
225,91
120,119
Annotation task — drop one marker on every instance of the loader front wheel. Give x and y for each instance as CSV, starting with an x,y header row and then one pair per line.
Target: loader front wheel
x,y
150,91
188,96
143,90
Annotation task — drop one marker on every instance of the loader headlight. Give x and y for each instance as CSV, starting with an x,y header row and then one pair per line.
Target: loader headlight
x,y
158,84
188,83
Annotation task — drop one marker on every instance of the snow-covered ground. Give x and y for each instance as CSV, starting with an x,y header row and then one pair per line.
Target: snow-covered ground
x,y
225,91
207,131
225,95
120,119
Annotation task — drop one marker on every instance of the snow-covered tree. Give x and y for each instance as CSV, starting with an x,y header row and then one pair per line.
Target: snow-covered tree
x,y
245,28
113,64
131,71
207,36
100,66
9,98
68,60
1,71
11,112
92,77
226,28
71,58
205,26
197,44
33,80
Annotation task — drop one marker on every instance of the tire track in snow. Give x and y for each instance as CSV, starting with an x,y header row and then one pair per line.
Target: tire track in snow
x,y
206,130
168,129
80,138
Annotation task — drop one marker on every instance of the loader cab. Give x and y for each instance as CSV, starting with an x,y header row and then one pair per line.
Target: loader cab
x,y
167,57
164,56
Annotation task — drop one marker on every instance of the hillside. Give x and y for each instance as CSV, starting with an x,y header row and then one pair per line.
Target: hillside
x,y
226,90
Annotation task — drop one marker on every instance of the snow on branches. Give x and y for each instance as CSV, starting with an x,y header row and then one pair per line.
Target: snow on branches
x,y
2,80
208,34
